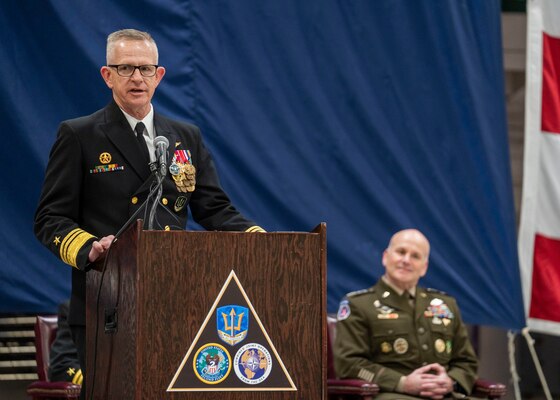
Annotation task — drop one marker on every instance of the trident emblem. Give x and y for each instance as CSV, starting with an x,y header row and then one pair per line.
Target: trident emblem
x,y
232,323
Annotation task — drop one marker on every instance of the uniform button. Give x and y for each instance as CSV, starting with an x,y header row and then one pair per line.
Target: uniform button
x,y
424,363
134,200
390,331
421,330
167,228
424,346
164,201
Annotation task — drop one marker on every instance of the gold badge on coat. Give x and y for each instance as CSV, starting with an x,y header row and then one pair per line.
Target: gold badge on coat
x,y
400,345
439,345
182,171
386,347
180,203
105,158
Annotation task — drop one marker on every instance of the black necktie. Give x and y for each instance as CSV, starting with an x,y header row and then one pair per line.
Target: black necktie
x,y
139,129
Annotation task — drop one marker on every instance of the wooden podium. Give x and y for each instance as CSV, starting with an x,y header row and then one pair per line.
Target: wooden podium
x,y
153,310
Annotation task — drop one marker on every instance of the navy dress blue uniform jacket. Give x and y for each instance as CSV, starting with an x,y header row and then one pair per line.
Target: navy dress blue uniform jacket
x,y
96,179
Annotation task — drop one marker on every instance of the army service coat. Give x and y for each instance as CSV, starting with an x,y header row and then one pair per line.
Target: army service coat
x,y
381,337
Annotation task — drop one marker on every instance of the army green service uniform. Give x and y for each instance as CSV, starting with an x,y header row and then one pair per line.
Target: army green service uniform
x,y
381,337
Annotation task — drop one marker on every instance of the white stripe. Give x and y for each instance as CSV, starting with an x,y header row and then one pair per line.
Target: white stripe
x,y
531,149
548,201
551,16
543,326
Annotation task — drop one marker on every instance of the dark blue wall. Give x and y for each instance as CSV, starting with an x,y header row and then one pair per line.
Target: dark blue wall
x,y
372,116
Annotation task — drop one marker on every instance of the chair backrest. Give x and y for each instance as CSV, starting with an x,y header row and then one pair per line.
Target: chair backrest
x,y
331,334
45,332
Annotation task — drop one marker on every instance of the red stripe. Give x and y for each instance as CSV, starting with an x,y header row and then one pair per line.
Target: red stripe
x,y
550,121
545,294
181,156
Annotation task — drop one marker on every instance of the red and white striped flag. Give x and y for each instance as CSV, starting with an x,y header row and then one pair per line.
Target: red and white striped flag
x,y
539,234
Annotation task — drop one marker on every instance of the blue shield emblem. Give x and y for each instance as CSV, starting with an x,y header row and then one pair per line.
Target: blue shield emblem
x,y
232,322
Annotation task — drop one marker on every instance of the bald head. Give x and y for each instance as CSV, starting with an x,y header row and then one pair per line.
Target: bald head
x,y
412,235
406,258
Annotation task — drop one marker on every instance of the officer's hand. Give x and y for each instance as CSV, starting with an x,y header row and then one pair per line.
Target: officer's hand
x,y
99,247
437,384
414,381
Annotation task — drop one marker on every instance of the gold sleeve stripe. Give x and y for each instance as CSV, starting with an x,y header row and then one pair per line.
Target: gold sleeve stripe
x,y
63,246
78,378
255,228
71,245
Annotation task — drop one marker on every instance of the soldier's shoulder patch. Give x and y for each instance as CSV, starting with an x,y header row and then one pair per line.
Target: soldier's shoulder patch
x,y
343,310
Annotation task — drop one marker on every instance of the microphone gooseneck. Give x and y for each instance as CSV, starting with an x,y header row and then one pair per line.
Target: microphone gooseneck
x,y
161,144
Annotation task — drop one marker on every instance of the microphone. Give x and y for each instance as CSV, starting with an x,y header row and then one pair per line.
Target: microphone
x,y
161,144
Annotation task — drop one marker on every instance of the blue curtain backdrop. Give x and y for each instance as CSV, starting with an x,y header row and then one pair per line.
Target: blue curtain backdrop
x,y
372,116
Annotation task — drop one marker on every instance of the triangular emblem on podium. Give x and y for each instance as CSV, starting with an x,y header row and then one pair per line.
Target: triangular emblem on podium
x,y
232,350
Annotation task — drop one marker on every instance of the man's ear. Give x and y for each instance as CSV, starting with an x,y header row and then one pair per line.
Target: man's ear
x,y
106,74
159,74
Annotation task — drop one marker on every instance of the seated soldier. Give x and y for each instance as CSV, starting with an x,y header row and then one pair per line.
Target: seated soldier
x,y
63,363
408,340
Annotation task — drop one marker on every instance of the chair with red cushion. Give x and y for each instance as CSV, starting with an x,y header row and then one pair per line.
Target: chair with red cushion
x,y
45,332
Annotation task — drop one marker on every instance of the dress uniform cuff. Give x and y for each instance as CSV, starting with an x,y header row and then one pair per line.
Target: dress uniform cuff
x,y
400,385
387,379
78,377
72,246
255,228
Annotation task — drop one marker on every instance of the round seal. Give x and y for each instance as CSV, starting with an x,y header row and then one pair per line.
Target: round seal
x,y
386,347
400,345
252,363
439,344
212,363
174,169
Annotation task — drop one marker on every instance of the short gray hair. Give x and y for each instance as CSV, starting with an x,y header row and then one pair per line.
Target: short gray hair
x,y
128,34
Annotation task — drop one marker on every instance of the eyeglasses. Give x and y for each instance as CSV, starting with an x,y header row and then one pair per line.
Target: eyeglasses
x,y
128,70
